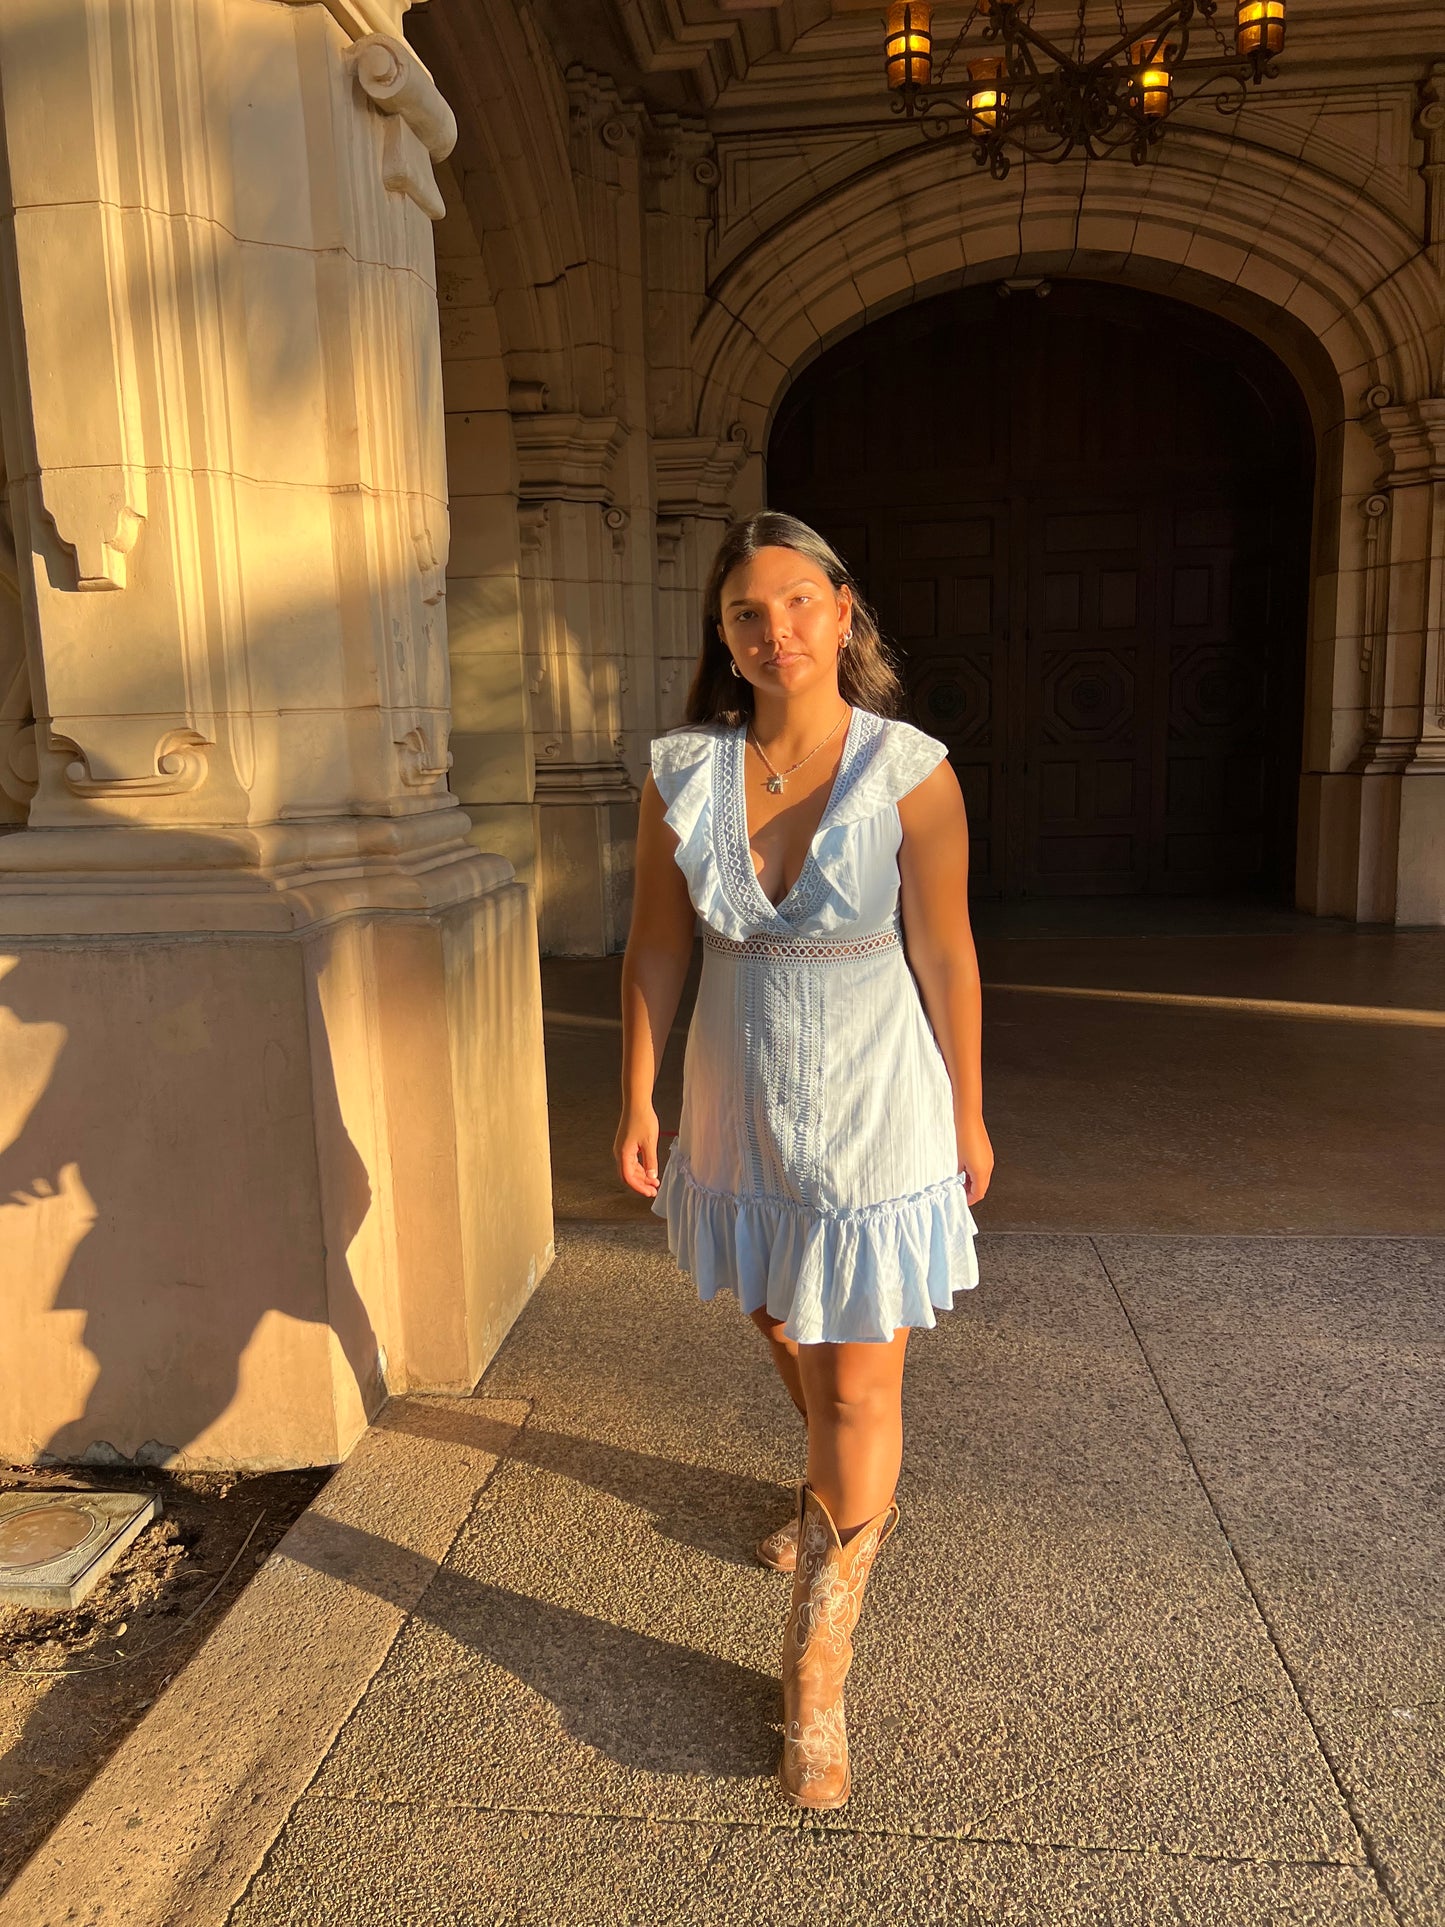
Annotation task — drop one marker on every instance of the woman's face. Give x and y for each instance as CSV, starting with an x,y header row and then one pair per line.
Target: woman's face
x,y
783,622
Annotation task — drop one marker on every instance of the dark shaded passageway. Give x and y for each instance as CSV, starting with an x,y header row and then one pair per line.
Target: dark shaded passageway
x,y
1084,520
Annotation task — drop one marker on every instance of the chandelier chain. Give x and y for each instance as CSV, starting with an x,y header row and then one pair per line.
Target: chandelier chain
x,y
947,60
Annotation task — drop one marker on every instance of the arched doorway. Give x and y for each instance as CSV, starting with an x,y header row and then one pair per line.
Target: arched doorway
x,y
1083,515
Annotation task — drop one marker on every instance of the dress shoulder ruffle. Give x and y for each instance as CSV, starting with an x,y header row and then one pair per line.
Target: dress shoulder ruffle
x,y
892,761
682,768
888,759
840,1277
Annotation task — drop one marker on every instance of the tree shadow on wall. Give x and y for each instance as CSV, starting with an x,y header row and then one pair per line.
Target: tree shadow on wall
x,y
158,1194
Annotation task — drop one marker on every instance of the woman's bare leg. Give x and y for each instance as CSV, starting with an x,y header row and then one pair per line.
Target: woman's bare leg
x,y
785,1355
854,1400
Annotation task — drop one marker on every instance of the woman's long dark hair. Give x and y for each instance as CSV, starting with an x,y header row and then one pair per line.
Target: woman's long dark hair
x,y
866,676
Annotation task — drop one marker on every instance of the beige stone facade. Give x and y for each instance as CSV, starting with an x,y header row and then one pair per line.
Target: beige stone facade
x,y
372,407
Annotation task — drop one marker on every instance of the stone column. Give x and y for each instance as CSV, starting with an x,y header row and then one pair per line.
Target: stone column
x,y
272,1123
1400,766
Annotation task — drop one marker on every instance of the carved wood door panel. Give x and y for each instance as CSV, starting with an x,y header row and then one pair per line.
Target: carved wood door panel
x,y
1090,702
948,612
1084,524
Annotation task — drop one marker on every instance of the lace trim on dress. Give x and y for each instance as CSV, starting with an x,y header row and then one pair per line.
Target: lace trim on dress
x,y
684,767
734,854
801,949
699,774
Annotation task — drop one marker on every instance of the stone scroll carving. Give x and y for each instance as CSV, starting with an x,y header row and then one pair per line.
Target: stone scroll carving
x,y
420,127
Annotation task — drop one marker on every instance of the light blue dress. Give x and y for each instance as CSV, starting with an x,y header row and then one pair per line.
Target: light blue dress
x,y
816,1168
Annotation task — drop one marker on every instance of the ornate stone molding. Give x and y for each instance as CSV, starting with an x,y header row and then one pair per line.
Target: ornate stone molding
x,y
559,782
1376,511
1411,435
696,474
1430,126
567,458
1404,648
72,266
180,767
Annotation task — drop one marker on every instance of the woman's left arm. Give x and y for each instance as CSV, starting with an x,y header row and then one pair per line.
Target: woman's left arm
x,y
933,866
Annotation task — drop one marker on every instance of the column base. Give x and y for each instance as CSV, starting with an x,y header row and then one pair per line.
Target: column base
x,y
1372,845
258,1179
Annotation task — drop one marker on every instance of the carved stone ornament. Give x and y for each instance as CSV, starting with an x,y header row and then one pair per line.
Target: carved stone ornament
x,y
420,126
421,765
695,474
180,766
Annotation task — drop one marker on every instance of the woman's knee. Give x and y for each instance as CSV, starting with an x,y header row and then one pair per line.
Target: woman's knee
x,y
855,1392
772,1329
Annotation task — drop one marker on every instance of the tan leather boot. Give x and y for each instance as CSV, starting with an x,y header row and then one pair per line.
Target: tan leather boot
x,y
828,1585
780,1548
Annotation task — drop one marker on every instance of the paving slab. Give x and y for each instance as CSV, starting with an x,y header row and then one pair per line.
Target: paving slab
x,y
1308,1380
1237,1286
359,1863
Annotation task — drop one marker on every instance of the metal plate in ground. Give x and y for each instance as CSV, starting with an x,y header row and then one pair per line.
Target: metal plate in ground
x,y
54,1546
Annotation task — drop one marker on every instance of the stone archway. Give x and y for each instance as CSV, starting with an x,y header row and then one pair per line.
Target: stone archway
x,y
1348,302
1085,521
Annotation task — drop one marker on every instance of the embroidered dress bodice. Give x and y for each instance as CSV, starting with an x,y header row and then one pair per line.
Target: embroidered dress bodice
x,y
816,1167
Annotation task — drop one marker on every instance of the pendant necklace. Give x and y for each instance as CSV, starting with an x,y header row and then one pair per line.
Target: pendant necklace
x,y
777,778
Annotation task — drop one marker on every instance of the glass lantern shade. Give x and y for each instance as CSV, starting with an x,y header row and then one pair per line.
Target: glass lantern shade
x,y
909,46
1259,27
1151,79
987,96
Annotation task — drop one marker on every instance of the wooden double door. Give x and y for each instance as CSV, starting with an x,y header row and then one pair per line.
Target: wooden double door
x,y
1083,521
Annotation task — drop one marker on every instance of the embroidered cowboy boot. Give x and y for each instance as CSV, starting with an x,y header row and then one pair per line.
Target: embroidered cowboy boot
x,y
780,1548
828,1586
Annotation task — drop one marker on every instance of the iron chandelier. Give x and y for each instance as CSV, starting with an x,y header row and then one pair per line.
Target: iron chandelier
x,y
1025,93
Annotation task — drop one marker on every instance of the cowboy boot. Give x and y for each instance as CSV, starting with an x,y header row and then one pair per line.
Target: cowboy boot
x,y
828,1586
780,1548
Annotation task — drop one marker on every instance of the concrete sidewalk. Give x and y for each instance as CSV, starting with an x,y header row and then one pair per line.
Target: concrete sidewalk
x,y
1161,1638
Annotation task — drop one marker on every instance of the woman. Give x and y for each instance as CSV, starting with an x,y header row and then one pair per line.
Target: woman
x,y
832,1133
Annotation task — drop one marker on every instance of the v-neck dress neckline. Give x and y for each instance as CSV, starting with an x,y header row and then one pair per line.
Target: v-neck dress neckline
x,y
739,825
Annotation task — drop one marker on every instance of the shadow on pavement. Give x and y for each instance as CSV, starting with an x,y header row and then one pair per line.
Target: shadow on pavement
x,y
649,1704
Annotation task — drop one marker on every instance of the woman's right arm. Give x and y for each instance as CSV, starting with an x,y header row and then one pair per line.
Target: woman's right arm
x,y
659,949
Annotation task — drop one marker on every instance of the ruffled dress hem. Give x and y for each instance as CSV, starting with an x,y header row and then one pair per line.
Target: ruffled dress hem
x,y
833,1277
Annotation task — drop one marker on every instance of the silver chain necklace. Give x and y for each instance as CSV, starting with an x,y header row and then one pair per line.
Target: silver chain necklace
x,y
777,778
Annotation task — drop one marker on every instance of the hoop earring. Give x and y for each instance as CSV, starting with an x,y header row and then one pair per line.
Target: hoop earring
x,y
736,671
846,640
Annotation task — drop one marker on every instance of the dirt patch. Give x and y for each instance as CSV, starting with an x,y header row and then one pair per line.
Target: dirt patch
x,y
73,1684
